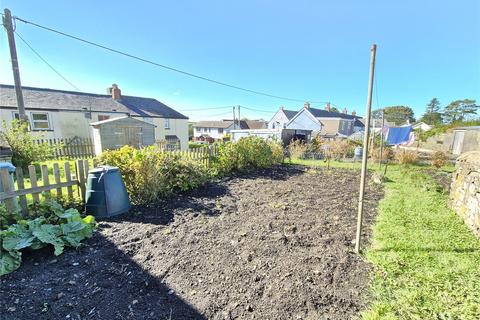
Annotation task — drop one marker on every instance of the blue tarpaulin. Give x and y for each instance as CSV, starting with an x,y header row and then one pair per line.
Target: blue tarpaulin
x,y
398,135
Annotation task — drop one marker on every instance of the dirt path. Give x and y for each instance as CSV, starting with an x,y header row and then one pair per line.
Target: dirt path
x,y
271,245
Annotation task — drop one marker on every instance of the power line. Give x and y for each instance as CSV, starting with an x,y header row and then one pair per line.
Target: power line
x,y
203,109
162,65
258,110
46,62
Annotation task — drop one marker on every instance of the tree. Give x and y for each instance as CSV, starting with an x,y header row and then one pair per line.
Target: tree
x,y
460,110
433,106
432,113
396,114
24,148
334,109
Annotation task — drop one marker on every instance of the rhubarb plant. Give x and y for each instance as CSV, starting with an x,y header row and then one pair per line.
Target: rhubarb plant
x,y
56,227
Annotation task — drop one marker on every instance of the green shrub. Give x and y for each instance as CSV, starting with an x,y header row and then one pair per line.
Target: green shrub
x,y
54,226
248,153
150,174
297,149
406,157
439,159
21,141
339,148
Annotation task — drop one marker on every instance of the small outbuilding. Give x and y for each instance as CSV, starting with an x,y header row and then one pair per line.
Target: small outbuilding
x,y
114,133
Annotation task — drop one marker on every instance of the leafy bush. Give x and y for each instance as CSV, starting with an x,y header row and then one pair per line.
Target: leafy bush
x,y
439,159
386,152
248,153
24,149
150,174
56,226
339,148
297,149
406,157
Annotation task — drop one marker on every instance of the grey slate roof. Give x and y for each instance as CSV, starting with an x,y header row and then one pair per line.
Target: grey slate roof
x,y
214,124
52,99
99,123
289,113
320,113
244,124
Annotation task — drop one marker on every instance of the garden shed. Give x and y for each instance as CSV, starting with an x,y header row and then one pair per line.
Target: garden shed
x,y
117,132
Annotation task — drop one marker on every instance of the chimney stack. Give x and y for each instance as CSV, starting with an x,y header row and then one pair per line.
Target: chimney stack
x,y
281,108
327,107
345,110
115,92
354,113
306,105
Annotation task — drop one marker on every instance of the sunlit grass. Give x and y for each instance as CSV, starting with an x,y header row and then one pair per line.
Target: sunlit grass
x,y
426,261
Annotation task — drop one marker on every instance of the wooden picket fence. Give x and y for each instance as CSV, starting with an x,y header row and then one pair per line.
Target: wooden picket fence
x,y
15,192
71,148
28,187
201,154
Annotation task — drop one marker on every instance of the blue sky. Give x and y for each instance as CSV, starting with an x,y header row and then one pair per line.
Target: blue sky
x,y
310,50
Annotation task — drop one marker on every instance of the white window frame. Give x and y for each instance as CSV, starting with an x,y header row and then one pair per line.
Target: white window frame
x,y
32,121
166,123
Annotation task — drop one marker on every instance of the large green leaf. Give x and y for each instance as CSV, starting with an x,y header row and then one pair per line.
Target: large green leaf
x,y
9,261
48,233
16,237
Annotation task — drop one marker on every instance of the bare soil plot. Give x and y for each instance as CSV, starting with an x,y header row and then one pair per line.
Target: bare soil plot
x,y
275,244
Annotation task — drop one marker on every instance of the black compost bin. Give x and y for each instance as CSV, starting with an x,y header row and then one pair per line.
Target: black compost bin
x,y
106,195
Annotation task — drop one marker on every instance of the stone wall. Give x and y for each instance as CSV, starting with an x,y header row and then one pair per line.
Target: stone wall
x,y
465,191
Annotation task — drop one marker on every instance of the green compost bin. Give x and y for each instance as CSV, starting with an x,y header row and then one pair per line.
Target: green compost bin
x,y
106,195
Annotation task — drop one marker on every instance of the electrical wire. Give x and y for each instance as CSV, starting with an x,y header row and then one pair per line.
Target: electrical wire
x,y
203,109
220,114
46,62
162,65
257,110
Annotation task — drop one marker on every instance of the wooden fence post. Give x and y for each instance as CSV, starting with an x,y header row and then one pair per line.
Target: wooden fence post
x,y
7,187
68,176
81,178
21,185
45,178
56,175
33,181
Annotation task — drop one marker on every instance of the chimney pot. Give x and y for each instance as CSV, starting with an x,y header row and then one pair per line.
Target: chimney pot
x,y
116,92
327,107
345,110
281,108
306,105
354,113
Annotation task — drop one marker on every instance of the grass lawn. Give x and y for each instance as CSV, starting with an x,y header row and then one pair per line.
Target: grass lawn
x,y
426,261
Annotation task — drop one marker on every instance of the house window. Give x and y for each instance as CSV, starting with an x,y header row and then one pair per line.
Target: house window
x,y
220,130
40,121
15,115
167,123
102,117
198,129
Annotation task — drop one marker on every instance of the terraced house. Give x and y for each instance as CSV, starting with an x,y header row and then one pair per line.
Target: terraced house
x,y
68,114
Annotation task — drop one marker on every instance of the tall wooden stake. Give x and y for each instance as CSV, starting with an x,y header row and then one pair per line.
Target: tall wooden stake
x,y
8,24
365,149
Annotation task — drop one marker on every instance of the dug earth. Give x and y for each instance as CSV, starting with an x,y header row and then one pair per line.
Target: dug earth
x,y
273,244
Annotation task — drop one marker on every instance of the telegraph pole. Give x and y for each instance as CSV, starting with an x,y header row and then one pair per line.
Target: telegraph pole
x,y
8,24
233,117
365,149
239,125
